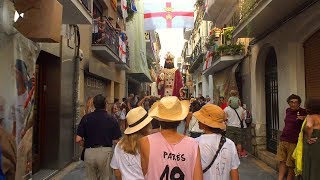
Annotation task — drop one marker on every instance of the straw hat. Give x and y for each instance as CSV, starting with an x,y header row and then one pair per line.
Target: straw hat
x,y
192,100
137,119
170,109
212,116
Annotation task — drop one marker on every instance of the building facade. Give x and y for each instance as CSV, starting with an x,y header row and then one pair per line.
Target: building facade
x,y
39,104
283,60
278,58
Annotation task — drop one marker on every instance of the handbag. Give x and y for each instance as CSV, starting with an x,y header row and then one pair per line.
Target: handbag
x,y
222,141
241,124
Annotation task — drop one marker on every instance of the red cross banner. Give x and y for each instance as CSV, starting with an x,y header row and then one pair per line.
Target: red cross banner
x,y
208,61
168,14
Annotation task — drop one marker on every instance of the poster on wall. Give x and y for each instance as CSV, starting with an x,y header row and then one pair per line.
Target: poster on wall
x,y
18,58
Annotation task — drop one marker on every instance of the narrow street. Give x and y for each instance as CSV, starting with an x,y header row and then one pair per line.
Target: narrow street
x,y
85,72
250,168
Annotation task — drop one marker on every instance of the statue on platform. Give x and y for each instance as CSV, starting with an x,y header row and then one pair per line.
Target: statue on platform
x,y
169,80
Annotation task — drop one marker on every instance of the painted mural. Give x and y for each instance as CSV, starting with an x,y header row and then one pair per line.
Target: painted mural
x,y
17,91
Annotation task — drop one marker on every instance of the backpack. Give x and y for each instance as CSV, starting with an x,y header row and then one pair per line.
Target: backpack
x,y
2,177
248,119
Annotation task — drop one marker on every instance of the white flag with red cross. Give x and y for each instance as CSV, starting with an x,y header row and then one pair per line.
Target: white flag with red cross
x,y
168,14
122,50
124,8
208,61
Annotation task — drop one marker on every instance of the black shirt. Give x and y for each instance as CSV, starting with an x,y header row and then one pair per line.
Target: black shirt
x,y
98,129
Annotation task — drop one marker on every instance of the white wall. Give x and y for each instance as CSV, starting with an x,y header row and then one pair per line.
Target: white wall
x,y
288,44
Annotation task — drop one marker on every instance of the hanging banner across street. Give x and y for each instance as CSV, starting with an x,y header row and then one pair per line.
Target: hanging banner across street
x,y
168,14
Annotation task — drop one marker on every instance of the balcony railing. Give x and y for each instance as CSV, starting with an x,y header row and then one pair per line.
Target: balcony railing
x,y
105,35
246,8
198,50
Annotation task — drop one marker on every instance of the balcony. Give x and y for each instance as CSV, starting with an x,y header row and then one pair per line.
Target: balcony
x,y
219,11
260,18
76,11
105,45
186,52
197,55
226,56
124,64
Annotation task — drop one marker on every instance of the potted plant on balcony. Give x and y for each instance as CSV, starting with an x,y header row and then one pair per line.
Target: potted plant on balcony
x,y
227,34
230,50
210,42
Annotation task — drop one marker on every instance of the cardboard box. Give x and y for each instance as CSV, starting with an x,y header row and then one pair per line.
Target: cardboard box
x,y
41,22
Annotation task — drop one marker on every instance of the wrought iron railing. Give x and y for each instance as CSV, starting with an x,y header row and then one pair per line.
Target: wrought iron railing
x,y
246,9
198,50
105,35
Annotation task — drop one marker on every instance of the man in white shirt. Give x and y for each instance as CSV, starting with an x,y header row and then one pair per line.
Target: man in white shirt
x,y
235,127
219,157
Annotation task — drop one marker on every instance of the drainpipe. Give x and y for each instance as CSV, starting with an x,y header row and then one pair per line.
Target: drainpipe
x,y
75,87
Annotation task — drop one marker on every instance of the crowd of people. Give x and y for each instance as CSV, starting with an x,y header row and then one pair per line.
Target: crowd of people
x,y
140,138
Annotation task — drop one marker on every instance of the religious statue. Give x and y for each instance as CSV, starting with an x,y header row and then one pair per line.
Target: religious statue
x,y
169,80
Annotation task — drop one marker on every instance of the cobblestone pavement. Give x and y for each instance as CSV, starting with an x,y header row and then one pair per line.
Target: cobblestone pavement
x,y
250,169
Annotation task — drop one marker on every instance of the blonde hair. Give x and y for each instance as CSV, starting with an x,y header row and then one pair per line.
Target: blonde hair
x,y
233,93
130,142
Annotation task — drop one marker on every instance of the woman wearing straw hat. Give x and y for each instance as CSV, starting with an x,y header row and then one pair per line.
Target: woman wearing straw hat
x,y
168,154
126,158
219,156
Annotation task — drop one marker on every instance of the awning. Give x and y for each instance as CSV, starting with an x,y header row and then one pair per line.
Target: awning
x,y
224,81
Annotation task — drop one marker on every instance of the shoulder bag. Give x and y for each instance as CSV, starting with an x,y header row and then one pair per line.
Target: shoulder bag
x,y
241,124
222,141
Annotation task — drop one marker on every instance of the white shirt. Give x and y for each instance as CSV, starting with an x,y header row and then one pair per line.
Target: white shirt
x,y
233,119
128,164
122,115
194,125
95,26
226,160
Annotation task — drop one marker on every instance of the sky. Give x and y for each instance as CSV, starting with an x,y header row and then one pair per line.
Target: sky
x,y
171,40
